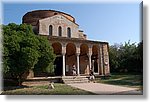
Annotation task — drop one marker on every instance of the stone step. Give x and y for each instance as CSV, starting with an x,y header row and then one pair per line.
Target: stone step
x,y
70,82
75,79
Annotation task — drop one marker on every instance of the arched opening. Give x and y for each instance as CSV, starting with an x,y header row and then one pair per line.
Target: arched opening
x,y
70,58
59,31
50,30
57,47
95,58
84,61
55,13
69,32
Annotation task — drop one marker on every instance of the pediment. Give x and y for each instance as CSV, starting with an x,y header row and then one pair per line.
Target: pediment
x,y
57,19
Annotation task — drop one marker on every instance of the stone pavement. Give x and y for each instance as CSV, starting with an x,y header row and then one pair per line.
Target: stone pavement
x,y
105,89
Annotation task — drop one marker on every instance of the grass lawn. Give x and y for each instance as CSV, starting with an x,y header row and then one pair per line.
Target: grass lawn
x,y
135,81
60,89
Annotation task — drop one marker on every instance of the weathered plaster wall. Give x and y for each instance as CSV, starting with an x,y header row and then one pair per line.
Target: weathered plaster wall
x,y
56,21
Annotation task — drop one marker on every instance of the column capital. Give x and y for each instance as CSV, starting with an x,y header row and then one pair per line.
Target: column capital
x,y
77,54
77,45
90,51
63,49
78,50
63,53
90,45
64,44
89,54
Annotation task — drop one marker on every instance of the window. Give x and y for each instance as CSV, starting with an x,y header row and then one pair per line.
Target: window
x,y
55,13
50,30
59,31
69,32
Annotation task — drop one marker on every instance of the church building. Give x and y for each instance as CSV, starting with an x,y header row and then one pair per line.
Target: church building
x,y
69,43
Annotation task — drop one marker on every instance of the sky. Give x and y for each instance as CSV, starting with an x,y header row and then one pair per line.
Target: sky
x,y
110,22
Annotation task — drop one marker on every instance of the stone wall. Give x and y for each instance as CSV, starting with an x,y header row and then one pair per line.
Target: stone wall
x,y
82,35
105,59
56,21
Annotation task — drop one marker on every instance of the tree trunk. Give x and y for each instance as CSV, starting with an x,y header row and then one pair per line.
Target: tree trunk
x,y
19,80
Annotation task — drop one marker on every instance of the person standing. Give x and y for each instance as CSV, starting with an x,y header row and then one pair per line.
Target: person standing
x,y
74,69
92,77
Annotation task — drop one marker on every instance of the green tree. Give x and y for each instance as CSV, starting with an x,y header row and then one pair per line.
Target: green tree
x,y
126,58
114,57
45,61
22,50
140,57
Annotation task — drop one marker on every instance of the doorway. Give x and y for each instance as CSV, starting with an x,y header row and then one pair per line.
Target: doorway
x,y
95,66
58,66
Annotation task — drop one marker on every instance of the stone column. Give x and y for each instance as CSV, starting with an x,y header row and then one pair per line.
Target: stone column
x,y
98,60
78,58
89,60
89,55
64,64
106,59
78,70
64,57
101,59
98,65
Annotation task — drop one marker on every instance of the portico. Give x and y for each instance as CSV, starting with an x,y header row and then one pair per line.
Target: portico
x,y
84,54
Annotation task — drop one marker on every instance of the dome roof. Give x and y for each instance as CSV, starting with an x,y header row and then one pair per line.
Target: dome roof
x,y
34,16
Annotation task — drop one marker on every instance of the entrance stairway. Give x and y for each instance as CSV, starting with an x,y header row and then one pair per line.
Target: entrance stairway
x,y
75,79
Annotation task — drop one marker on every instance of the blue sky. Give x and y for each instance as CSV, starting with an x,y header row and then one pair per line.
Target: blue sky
x,y
111,22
